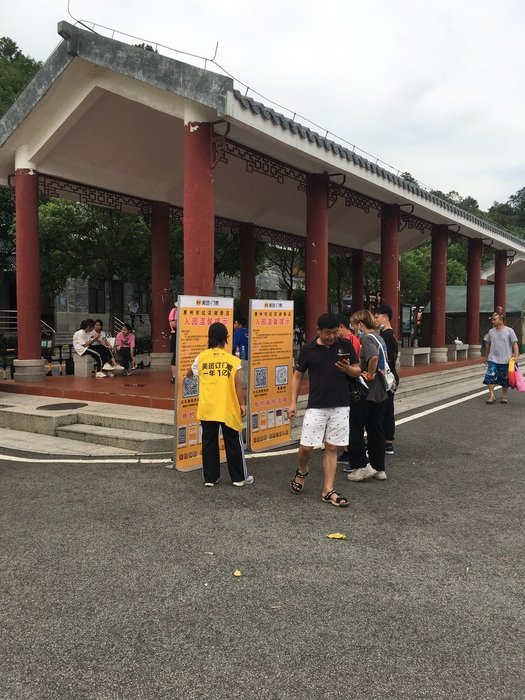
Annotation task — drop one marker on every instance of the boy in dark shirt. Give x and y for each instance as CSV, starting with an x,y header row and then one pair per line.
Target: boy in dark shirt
x,y
330,361
383,318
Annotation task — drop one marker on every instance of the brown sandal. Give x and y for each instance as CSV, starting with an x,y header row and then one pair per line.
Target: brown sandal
x,y
295,485
339,501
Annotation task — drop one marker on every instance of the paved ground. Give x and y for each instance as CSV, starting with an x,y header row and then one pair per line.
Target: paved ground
x,y
117,581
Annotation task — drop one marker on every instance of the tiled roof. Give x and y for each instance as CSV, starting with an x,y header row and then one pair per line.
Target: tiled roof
x,y
305,133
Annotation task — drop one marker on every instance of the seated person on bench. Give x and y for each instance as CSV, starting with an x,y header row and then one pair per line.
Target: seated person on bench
x,y
83,341
103,346
125,347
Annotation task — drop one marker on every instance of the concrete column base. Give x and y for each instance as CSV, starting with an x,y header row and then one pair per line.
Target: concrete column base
x,y
160,361
438,355
30,370
474,351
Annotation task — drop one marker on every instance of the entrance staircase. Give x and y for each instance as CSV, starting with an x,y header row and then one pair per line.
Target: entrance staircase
x,y
137,430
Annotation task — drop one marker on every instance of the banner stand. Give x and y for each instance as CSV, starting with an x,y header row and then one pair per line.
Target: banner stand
x,y
195,315
270,349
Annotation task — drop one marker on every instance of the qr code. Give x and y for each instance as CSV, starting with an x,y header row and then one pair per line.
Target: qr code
x,y
281,375
190,387
261,377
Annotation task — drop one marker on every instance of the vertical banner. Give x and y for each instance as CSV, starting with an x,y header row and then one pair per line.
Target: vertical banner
x,y
269,386
195,316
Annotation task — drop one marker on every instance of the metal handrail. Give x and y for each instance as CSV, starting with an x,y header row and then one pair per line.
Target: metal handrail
x,y
9,322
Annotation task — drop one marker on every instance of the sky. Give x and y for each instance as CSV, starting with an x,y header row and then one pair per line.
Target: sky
x,y
432,87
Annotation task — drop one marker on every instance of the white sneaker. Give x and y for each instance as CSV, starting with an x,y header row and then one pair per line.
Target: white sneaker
x,y
117,367
361,474
108,367
110,374
381,476
100,375
246,482
210,483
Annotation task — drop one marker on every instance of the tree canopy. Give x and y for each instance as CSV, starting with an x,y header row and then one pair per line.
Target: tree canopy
x,y
16,70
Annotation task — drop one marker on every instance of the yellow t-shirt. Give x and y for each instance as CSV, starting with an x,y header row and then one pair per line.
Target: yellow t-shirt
x,y
217,396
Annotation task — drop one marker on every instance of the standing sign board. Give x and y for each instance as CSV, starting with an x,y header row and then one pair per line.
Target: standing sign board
x,y
195,315
269,386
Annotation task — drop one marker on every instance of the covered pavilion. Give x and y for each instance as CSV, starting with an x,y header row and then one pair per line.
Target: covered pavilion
x,y
111,124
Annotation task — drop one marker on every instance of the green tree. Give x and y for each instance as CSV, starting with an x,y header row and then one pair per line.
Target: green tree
x,y
415,275
468,203
409,178
78,240
7,241
511,214
16,70
339,280
288,261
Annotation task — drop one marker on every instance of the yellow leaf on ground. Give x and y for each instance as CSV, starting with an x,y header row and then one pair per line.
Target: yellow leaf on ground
x,y
337,536
237,573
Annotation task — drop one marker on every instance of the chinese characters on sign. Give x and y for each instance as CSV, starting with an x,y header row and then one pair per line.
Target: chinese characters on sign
x,y
269,388
196,314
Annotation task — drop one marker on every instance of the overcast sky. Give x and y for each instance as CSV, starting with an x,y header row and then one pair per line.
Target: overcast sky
x,y
433,87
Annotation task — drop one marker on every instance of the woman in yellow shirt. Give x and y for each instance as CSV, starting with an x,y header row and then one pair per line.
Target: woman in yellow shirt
x,y
221,405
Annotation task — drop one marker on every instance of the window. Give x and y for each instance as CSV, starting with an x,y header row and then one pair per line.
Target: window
x,y
224,291
96,297
269,294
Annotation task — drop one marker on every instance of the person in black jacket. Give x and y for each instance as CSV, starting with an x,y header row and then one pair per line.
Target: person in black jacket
x,y
383,319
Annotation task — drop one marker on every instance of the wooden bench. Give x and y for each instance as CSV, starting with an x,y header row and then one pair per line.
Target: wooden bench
x,y
457,351
408,357
83,365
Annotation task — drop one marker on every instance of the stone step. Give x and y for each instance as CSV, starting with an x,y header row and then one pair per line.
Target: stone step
x,y
148,424
133,440
425,383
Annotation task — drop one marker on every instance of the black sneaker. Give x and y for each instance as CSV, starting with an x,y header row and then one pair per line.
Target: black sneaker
x,y
389,448
343,458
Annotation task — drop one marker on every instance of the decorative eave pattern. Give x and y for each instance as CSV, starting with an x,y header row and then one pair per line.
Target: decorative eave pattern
x,y
303,132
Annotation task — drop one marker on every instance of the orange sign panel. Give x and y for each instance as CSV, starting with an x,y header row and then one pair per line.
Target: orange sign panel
x,y
195,315
269,387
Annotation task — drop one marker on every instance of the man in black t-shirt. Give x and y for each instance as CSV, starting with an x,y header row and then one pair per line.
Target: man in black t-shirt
x,y
330,361
383,318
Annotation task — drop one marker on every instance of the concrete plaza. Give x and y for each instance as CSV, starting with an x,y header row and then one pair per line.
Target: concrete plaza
x,y
117,579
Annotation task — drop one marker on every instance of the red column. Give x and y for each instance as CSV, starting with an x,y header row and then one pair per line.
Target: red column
x,y
199,210
500,279
27,264
160,277
473,291
316,250
438,288
390,261
248,289
358,279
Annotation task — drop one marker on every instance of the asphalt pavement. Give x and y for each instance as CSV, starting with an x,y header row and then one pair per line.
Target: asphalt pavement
x,y
117,583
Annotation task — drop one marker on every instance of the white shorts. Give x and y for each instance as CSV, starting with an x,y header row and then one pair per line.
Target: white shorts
x,y
330,425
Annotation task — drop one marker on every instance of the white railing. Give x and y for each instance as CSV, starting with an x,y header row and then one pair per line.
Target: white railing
x,y
9,322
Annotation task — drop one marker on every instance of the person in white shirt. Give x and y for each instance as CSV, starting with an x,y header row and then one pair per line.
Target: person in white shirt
x,y
83,341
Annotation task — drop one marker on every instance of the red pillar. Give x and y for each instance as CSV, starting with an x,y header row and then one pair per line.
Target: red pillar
x,y
248,290
438,292
500,279
473,295
316,250
160,277
358,279
390,261
27,264
199,210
